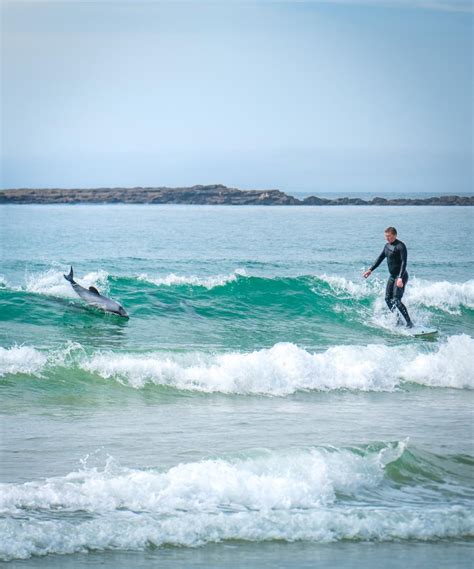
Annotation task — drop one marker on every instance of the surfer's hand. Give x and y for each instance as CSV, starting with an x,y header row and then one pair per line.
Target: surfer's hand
x,y
367,274
399,283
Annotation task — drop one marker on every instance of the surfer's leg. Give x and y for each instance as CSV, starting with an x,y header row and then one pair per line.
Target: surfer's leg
x,y
397,302
404,312
390,294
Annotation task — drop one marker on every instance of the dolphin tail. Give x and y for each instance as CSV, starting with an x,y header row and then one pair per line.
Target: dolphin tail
x,y
70,276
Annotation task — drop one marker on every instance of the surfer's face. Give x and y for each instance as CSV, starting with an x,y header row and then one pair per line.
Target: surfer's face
x,y
390,237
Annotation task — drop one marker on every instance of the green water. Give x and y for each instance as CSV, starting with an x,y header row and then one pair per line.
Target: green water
x,y
259,404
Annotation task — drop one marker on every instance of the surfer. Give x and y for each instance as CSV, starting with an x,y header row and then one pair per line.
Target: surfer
x,y
396,254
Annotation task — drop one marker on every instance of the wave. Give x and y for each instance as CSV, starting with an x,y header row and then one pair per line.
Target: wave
x,y
450,366
286,368
442,295
206,282
21,359
28,360
277,371
269,480
53,283
445,296
320,494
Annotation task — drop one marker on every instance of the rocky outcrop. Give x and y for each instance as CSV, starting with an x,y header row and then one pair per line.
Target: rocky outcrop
x,y
210,195
204,195
437,200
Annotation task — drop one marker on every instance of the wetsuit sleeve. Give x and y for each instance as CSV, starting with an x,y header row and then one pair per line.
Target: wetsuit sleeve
x,y
403,260
379,259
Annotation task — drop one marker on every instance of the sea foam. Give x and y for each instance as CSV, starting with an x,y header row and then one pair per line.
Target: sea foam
x,y
53,283
450,366
358,290
286,368
266,481
31,361
126,530
281,370
206,282
319,494
442,295
21,359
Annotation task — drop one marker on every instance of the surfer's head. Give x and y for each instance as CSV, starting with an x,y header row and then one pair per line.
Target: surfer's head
x,y
390,234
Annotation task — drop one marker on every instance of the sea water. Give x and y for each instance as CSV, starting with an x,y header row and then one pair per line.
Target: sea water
x,y
260,408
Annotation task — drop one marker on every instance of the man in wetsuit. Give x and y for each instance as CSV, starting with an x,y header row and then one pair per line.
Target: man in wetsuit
x,y
396,254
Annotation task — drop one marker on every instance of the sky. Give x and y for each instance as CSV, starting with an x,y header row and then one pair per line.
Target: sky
x,y
337,96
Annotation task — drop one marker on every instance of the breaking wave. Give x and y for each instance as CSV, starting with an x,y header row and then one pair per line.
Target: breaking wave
x,y
442,295
286,368
280,370
21,359
319,494
53,283
206,282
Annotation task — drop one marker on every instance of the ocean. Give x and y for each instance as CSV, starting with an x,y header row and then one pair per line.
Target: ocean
x,y
260,408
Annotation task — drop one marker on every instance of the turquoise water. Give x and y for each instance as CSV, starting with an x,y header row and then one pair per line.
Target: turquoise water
x,y
260,407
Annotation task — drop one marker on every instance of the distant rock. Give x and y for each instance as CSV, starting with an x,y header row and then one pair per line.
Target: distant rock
x,y
438,200
205,195
215,194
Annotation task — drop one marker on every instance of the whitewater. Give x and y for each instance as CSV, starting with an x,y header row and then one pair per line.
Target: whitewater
x,y
260,406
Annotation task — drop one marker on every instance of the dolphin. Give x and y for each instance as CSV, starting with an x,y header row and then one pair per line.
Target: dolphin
x,y
93,297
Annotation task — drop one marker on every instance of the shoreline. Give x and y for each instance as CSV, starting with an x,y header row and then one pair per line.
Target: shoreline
x,y
215,194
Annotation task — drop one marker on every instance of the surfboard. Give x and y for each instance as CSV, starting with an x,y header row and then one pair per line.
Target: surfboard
x,y
422,332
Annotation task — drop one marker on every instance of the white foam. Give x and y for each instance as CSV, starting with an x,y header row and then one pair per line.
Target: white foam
x,y
53,283
139,531
382,318
451,366
207,282
285,368
443,295
21,359
281,370
29,360
358,290
317,494
271,480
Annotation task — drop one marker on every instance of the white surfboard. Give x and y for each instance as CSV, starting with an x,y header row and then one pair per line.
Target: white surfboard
x,y
422,332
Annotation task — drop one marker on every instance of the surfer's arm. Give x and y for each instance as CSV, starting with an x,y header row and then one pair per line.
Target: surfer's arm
x,y
403,260
379,259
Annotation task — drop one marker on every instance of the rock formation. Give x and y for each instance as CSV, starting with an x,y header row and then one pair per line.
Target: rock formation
x,y
216,194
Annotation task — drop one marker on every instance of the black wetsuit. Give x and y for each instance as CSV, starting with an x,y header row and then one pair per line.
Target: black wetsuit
x,y
396,255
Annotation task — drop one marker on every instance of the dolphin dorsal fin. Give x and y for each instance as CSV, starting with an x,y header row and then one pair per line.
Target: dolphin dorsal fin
x,y
93,289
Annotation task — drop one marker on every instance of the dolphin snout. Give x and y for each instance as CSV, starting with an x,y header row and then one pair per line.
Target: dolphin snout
x,y
122,312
